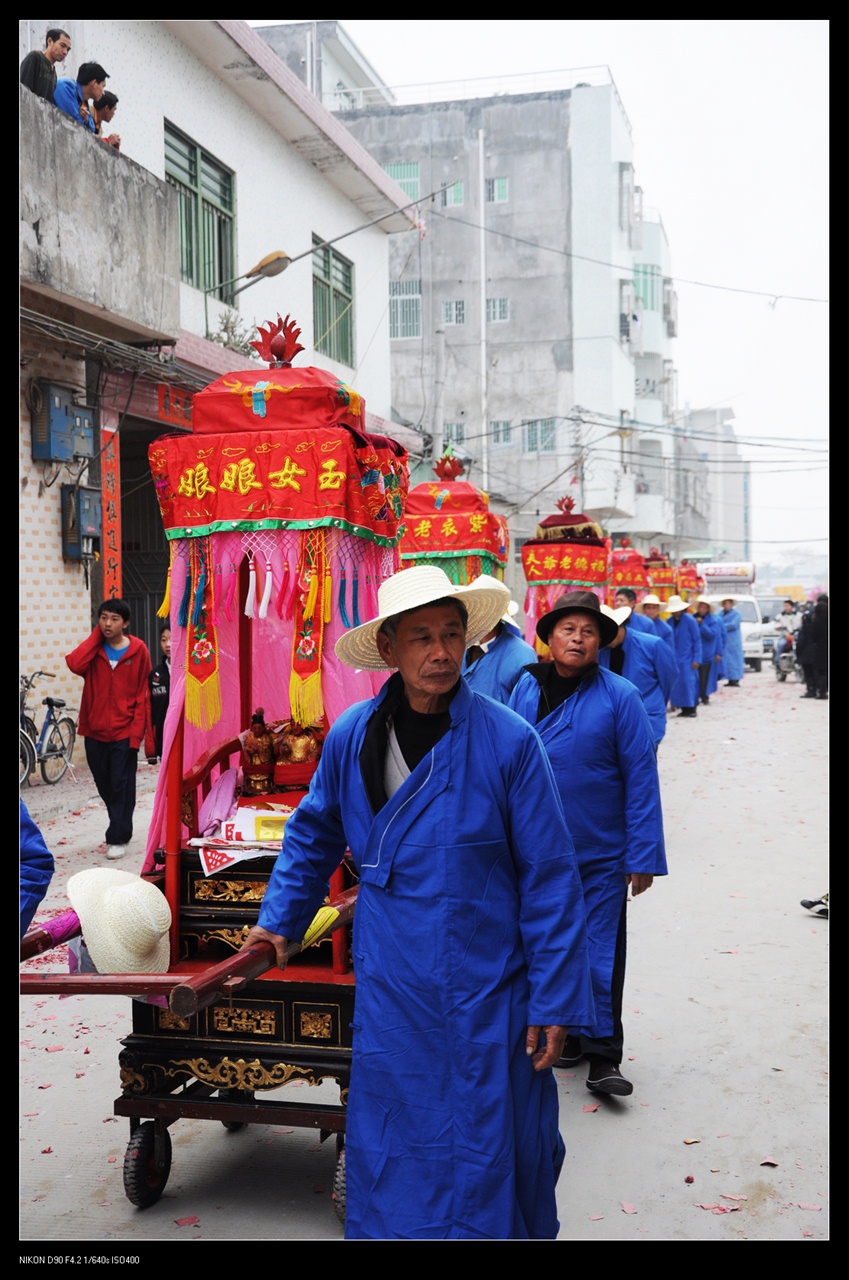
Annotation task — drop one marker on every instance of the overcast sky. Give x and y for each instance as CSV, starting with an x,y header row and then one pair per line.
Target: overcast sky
x,y
730,127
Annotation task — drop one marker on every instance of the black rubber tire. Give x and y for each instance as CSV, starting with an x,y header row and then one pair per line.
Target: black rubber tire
x,y
340,1192
143,1182
234,1126
755,664
27,758
28,726
780,676
58,750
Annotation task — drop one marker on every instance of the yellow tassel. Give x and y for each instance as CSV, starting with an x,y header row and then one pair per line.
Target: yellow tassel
x,y
164,609
312,593
328,591
305,700
203,701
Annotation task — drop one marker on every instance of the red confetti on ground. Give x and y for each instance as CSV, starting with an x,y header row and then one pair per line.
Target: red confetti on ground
x,y
628,1208
596,1217
770,1160
723,1196
111,1159
47,1151
817,1208
186,1222
688,1142
54,1048
78,1075
808,1234
689,1178
591,1106
86,1050
45,1086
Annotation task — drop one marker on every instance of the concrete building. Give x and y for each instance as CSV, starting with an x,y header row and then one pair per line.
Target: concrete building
x,y
129,266
726,507
520,327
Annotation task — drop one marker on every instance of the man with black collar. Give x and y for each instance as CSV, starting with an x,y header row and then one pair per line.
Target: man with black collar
x,y
469,940
38,69
598,738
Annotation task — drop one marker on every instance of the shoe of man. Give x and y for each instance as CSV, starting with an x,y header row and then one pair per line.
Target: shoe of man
x,y
572,1053
818,908
115,851
732,684
605,1077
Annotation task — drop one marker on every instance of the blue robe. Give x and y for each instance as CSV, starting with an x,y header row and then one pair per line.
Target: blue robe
x,y
600,746
650,665
733,662
36,867
688,649
663,631
469,927
636,622
711,635
496,672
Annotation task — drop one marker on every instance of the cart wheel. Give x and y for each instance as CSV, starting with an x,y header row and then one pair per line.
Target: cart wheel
x,y
340,1191
780,676
233,1126
143,1182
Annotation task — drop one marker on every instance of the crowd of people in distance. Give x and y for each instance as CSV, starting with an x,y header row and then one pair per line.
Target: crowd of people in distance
x,y
85,99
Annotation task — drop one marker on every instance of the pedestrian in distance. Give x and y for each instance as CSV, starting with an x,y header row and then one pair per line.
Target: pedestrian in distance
x,y
114,714
469,942
160,693
733,665
688,655
38,69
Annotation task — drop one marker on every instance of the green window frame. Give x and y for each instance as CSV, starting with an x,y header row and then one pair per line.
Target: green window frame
x,y
333,303
406,175
405,309
497,190
206,192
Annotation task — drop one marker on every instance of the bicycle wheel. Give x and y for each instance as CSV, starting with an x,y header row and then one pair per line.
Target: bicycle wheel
x,y
28,726
58,750
27,758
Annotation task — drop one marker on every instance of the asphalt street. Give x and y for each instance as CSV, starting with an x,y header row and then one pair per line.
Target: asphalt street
x,y
725,1135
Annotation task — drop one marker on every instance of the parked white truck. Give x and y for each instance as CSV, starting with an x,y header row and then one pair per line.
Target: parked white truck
x,y
736,579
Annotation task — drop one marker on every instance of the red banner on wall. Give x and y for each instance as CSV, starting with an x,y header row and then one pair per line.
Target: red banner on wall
x,y
110,472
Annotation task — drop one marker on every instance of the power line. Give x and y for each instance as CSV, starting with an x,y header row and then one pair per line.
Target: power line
x,y
628,270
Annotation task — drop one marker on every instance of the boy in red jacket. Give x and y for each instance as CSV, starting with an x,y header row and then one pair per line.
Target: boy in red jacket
x,y
113,715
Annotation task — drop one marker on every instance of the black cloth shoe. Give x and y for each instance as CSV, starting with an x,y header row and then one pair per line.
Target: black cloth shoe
x,y
605,1077
572,1053
817,908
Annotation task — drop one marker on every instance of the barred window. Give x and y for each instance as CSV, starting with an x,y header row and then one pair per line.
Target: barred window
x,y
539,435
453,432
333,304
454,312
407,177
452,195
497,190
501,432
405,308
497,309
206,203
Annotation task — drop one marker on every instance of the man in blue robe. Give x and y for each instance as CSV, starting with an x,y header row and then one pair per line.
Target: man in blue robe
x,y
647,662
494,664
733,662
625,598
651,607
688,655
469,945
598,738
710,634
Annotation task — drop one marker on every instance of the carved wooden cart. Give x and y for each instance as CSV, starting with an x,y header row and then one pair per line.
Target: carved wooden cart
x,y
283,515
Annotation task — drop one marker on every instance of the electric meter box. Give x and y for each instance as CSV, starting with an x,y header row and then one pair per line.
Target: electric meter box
x,y
81,522
61,430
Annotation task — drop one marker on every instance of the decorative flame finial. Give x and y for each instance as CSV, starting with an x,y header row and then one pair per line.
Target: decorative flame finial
x,y
278,343
654,552
625,542
448,467
565,505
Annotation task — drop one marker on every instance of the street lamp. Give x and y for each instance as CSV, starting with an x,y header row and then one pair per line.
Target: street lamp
x,y
271,265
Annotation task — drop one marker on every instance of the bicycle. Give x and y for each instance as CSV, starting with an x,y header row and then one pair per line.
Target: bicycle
x,y
27,758
54,746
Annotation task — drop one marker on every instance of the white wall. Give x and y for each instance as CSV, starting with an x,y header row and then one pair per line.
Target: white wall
x,y
281,199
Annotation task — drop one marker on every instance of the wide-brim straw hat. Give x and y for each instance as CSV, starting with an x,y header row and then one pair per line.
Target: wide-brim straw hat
x,y
706,600
486,580
414,589
676,605
125,920
619,616
651,599
578,602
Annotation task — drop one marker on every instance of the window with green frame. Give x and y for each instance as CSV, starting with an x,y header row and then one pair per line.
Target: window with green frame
x,y
333,304
206,192
406,175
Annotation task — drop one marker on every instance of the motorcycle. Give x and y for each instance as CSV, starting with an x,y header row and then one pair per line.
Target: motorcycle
x,y
785,660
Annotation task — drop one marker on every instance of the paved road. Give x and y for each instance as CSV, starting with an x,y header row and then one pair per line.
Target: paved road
x,y
725,1021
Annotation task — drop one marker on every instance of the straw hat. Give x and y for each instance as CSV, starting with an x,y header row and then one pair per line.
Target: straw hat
x,y
413,589
125,920
652,599
579,602
619,616
486,580
676,605
706,600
